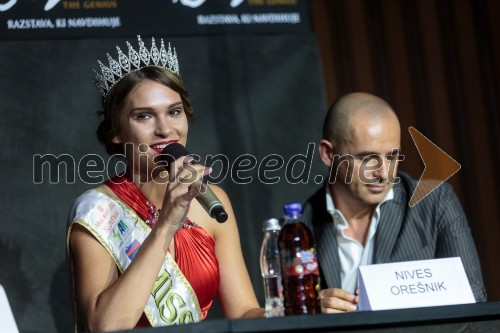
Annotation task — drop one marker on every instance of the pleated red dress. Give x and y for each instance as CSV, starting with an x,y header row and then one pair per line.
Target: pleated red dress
x,y
194,247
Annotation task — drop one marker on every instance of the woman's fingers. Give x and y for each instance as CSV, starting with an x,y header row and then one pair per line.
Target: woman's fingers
x,y
178,165
185,180
183,171
185,183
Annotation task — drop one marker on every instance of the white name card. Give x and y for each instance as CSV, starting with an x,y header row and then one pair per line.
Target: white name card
x,y
413,284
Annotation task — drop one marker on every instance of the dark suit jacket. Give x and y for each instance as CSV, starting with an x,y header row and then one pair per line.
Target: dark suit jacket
x,y
434,228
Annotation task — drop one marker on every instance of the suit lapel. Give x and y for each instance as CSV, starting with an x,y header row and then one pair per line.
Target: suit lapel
x,y
391,220
326,240
328,255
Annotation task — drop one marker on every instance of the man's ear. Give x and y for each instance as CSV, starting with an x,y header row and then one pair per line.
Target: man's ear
x,y
326,151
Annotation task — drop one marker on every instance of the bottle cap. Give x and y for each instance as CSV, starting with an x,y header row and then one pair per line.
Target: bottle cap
x,y
271,224
292,208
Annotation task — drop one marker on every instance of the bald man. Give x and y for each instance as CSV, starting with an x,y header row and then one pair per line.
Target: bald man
x,y
361,215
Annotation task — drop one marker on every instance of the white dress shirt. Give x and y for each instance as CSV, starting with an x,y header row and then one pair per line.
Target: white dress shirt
x,y
352,253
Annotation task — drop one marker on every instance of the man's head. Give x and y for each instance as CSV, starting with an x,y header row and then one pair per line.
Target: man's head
x,y
360,134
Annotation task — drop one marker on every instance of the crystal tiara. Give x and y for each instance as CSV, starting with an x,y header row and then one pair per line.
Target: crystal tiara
x,y
135,60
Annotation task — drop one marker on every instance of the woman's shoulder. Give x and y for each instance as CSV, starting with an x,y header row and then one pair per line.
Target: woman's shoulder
x,y
219,192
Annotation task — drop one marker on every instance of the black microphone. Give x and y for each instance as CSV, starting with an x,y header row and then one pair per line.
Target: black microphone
x,y
208,199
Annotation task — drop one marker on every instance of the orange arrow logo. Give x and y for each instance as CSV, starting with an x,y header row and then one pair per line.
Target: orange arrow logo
x,y
439,166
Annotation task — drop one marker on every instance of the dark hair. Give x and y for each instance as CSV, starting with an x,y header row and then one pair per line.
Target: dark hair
x,y
113,102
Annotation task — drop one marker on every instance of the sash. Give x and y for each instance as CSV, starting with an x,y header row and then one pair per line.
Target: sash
x,y
121,231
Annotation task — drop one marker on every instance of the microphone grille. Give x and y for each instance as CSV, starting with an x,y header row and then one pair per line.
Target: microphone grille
x,y
172,152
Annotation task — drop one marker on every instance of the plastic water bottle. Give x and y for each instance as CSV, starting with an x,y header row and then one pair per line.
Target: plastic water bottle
x,y
299,265
271,269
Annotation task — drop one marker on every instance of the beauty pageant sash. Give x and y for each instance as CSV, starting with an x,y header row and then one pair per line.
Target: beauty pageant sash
x,y
121,231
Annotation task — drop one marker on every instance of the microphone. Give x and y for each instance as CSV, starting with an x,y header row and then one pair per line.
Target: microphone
x,y
208,199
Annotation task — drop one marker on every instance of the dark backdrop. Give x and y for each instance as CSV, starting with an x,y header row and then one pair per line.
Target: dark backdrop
x,y
436,62
252,95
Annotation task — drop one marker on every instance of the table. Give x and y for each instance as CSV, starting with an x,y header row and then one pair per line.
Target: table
x,y
477,317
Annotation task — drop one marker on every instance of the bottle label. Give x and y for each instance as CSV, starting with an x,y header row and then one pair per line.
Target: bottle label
x,y
303,263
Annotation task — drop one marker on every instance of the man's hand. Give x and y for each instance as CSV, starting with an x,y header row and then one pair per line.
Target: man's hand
x,y
336,300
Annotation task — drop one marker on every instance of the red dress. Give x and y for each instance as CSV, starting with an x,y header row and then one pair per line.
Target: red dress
x,y
194,247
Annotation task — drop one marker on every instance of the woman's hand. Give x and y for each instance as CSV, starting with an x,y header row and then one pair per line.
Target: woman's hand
x,y
184,185
336,300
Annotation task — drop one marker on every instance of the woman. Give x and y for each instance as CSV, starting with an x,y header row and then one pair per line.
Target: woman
x,y
142,251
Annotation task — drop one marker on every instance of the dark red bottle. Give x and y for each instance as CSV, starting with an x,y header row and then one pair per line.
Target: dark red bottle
x,y
299,266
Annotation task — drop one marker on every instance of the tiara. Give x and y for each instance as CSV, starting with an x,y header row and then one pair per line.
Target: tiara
x,y
135,60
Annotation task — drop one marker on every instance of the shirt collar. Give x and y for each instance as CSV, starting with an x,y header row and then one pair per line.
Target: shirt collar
x,y
330,206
